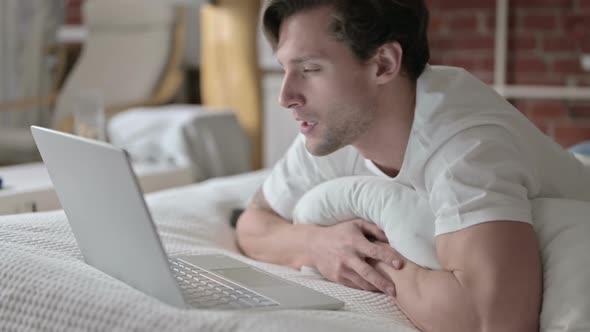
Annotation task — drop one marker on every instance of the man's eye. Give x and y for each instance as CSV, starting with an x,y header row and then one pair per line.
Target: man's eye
x,y
310,70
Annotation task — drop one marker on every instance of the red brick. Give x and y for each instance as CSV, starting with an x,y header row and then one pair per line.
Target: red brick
x,y
74,3
490,22
435,25
485,76
487,63
548,110
436,59
527,64
541,3
570,134
438,42
73,12
469,23
584,4
580,111
477,62
463,43
584,43
559,43
73,19
433,5
521,78
568,66
469,64
467,4
544,22
581,38
544,126
521,105
513,20
579,20
577,26
474,43
583,80
522,42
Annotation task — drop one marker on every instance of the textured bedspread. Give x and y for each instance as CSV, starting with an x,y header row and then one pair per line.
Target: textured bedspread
x,y
45,285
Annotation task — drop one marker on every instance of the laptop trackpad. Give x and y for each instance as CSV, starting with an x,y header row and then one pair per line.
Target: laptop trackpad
x,y
250,277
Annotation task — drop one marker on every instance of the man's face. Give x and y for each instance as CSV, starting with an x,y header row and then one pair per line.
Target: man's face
x,y
328,89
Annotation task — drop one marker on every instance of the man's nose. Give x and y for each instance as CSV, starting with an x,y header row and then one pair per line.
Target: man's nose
x,y
290,97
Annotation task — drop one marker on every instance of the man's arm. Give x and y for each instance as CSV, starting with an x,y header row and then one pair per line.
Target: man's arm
x,y
265,236
491,281
338,252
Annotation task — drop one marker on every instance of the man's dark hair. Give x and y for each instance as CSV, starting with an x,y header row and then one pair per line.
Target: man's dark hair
x,y
364,25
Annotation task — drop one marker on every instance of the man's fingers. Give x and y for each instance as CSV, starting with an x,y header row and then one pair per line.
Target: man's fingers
x,y
372,230
384,268
353,277
368,273
348,283
381,253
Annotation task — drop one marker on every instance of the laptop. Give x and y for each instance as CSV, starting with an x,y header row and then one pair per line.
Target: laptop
x,y
110,220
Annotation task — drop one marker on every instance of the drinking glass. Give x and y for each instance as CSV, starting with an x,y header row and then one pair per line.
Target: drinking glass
x,y
89,115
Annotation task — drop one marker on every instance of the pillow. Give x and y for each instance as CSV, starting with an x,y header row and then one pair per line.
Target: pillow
x,y
562,226
585,159
399,211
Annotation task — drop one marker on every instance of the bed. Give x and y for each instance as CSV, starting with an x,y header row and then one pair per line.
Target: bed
x,y
45,285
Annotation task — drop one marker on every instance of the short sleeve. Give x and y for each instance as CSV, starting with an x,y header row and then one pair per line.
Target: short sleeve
x,y
295,174
476,176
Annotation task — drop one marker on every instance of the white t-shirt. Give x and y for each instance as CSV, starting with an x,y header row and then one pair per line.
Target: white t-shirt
x,y
471,154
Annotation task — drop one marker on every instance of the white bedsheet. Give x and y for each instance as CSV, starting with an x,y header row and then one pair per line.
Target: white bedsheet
x,y
44,284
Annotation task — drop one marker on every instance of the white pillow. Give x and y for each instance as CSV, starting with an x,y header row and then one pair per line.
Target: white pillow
x,y
562,226
585,159
399,211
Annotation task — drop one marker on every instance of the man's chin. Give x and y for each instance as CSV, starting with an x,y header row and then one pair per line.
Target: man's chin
x,y
318,149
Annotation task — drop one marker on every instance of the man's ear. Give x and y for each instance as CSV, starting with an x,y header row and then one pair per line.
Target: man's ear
x,y
388,59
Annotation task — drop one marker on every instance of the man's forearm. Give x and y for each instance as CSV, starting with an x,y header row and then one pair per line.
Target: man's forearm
x,y
434,300
267,237
442,301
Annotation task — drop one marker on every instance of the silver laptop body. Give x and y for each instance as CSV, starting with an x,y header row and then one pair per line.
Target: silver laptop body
x,y
101,197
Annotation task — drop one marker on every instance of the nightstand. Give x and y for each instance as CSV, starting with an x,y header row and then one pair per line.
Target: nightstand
x,y
28,188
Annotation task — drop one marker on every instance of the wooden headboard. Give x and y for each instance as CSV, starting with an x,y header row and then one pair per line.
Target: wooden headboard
x,y
230,76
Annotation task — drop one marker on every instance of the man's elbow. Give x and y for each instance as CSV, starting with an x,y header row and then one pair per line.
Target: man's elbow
x,y
520,324
508,305
505,278
507,318
245,228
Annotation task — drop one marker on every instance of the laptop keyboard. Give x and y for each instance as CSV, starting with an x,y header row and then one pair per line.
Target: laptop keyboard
x,y
202,289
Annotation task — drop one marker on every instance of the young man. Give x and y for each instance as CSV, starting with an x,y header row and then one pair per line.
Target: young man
x,y
356,77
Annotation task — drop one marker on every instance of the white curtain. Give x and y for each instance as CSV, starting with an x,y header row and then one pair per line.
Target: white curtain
x,y
27,29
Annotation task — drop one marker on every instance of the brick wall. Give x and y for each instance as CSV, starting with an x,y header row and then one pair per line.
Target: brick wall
x,y
546,38
545,43
73,14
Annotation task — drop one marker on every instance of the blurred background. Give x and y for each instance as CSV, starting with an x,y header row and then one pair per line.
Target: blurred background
x,y
535,52
547,42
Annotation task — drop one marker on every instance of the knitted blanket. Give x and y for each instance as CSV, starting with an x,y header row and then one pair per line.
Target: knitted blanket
x,y
45,285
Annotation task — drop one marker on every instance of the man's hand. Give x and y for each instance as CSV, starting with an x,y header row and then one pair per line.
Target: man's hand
x,y
340,253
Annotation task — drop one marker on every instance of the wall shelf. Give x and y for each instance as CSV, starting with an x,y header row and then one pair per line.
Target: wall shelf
x,y
524,91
